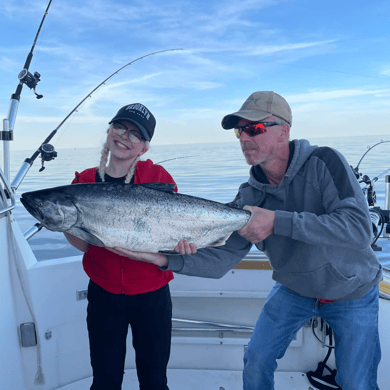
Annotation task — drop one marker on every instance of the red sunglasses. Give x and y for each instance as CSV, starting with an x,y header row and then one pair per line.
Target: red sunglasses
x,y
253,129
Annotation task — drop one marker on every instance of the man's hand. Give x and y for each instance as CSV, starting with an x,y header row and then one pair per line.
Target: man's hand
x,y
159,259
260,225
185,248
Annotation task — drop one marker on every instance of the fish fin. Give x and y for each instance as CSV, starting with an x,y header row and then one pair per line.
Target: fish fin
x,y
86,236
221,241
233,205
169,253
166,187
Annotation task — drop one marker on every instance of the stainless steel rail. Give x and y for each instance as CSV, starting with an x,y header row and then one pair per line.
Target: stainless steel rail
x,y
384,291
218,326
32,231
9,193
211,330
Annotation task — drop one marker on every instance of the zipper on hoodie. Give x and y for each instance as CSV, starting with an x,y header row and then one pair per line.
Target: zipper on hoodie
x,y
286,192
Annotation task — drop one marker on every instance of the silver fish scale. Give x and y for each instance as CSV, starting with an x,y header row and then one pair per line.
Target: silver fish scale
x,y
148,220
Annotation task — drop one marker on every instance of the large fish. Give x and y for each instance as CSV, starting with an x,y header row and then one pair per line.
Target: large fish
x,y
145,217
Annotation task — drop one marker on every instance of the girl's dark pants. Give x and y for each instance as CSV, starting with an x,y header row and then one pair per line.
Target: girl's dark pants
x,y
108,319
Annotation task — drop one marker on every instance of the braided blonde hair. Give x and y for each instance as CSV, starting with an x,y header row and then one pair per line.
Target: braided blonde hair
x,y
103,160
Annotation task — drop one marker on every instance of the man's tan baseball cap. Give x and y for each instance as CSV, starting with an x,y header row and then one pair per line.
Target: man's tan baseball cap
x,y
258,106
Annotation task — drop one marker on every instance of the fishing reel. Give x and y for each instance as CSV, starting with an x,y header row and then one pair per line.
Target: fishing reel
x,y
31,80
381,218
369,190
47,154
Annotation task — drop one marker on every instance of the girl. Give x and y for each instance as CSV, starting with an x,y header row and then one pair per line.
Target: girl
x,y
122,291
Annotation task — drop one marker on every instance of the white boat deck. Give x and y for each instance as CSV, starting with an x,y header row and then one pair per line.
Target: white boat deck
x,y
179,379
201,358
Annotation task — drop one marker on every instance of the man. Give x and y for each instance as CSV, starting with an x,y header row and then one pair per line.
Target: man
x,y
309,216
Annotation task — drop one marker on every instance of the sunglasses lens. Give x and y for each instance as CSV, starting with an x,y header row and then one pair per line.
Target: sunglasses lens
x,y
254,129
118,130
133,138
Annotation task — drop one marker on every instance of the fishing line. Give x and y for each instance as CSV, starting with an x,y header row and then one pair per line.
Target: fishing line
x,y
25,77
369,149
46,150
65,129
365,179
177,158
103,82
38,50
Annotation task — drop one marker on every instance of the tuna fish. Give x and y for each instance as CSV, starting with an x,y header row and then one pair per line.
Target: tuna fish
x,y
146,217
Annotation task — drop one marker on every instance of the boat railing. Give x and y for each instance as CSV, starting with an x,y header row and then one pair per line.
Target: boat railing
x,y
208,326
384,285
5,194
32,231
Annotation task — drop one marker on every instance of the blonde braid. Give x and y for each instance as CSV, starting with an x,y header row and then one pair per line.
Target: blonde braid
x,y
132,170
103,161
134,166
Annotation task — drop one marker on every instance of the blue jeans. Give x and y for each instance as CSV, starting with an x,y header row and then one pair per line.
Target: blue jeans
x,y
355,325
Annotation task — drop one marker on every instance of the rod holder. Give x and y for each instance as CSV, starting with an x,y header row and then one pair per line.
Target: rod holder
x,y
386,231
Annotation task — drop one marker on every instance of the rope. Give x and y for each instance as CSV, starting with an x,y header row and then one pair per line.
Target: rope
x,y
39,377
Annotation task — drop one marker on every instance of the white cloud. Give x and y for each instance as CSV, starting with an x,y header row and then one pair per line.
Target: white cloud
x,y
386,72
7,64
271,49
316,96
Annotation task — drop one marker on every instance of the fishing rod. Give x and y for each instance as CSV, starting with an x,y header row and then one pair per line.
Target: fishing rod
x,y
356,170
25,77
379,217
31,80
46,150
369,189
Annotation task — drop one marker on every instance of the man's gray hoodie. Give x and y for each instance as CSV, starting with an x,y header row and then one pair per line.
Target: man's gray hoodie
x,y
320,247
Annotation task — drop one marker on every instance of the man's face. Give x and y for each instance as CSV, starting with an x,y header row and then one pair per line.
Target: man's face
x,y
262,148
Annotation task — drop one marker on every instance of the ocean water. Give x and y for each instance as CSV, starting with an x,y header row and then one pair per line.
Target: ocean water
x,y
211,171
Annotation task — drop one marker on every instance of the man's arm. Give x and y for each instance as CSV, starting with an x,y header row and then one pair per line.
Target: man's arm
x,y
155,258
212,262
346,220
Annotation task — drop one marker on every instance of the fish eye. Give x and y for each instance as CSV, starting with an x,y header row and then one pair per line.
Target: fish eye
x,y
40,204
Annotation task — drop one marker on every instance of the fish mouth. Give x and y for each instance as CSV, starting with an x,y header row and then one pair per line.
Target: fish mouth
x,y
30,207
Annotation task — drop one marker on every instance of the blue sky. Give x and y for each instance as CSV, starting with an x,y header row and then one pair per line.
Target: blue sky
x,y
329,59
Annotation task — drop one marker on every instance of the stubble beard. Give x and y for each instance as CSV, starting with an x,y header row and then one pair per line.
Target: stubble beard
x,y
251,159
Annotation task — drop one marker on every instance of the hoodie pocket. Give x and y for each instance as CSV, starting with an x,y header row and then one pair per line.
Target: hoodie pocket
x,y
325,282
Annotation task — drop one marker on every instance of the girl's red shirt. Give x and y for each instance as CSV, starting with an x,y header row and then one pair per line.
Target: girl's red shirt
x,y
115,273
